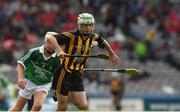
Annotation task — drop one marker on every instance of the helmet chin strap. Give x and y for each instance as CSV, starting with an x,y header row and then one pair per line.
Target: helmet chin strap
x,y
85,34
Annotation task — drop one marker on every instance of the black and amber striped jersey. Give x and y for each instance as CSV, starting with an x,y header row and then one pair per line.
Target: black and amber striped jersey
x,y
73,43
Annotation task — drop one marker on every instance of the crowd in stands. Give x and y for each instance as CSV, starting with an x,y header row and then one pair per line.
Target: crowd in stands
x,y
150,27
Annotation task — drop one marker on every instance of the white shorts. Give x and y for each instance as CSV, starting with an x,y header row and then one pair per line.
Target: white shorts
x,y
31,88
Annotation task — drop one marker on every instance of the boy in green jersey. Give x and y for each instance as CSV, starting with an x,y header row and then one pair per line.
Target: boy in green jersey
x,y
35,72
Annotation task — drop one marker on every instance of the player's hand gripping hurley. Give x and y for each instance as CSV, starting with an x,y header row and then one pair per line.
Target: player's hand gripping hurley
x,y
100,56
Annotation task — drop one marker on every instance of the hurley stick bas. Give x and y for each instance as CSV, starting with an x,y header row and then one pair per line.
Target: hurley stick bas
x,y
130,71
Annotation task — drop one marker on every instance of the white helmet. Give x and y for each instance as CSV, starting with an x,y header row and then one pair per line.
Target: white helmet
x,y
86,18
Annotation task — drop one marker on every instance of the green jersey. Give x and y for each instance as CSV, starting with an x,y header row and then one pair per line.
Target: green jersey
x,y
38,68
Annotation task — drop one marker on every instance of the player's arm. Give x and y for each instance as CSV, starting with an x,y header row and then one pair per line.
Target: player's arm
x,y
54,39
21,80
102,43
20,71
23,62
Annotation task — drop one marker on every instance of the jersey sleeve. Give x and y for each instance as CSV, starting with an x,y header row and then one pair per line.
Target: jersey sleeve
x,y
61,39
100,41
25,58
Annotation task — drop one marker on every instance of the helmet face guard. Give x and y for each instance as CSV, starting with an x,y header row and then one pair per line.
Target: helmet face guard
x,y
86,18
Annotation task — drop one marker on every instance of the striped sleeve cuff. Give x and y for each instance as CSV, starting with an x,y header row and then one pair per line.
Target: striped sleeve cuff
x,y
20,62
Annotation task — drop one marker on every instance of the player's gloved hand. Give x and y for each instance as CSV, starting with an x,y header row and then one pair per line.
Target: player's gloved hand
x,y
94,44
61,54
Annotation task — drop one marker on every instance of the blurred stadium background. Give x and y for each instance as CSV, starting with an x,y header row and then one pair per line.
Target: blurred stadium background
x,y
144,33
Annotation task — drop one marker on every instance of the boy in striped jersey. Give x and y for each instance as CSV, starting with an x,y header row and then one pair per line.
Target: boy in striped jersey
x,y
36,68
68,82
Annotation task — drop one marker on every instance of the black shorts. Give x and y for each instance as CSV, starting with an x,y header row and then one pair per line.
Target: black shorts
x,y
64,82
